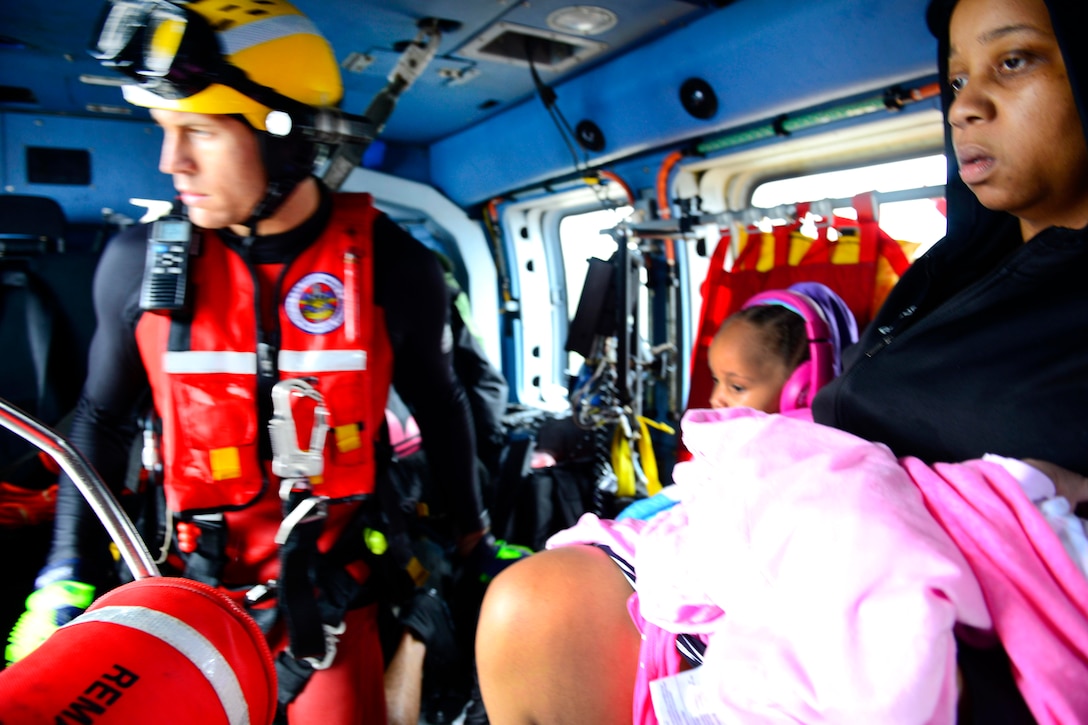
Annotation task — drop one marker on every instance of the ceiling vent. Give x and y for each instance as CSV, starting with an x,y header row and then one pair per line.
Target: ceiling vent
x,y
515,44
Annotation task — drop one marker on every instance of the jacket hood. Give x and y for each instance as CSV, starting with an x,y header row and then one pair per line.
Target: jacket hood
x,y
967,218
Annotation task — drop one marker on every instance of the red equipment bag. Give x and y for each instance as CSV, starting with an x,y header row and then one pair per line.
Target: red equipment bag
x,y
162,650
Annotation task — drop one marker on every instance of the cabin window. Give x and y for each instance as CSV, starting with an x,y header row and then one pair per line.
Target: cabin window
x,y
583,237
910,196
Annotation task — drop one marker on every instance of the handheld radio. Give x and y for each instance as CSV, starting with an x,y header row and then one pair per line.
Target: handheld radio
x,y
166,269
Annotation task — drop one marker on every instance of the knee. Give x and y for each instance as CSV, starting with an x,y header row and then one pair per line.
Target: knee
x,y
548,590
510,600
555,643
523,602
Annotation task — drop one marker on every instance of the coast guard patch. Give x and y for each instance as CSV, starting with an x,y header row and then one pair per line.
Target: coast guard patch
x,y
315,303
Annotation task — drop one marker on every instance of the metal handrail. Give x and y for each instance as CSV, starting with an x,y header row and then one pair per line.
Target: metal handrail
x,y
118,525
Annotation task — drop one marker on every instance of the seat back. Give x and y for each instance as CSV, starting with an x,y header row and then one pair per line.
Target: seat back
x,y
30,225
46,319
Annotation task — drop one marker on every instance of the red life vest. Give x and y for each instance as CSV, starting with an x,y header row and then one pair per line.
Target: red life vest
x,y
203,371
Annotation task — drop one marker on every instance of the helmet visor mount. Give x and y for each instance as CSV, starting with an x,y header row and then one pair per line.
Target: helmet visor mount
x,y
172,52
166,49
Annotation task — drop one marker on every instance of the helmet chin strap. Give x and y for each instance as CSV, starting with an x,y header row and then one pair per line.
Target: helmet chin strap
x,y
287,161
274,196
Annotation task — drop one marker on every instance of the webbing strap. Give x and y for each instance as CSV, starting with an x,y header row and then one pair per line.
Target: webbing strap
x,y
297,599
291,676
339,591
205,564
313,590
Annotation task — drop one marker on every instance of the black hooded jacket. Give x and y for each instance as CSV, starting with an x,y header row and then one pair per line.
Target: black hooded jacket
x,y
982,347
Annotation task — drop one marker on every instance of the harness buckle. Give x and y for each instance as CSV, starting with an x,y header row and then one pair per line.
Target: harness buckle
x,y
291,486
259,593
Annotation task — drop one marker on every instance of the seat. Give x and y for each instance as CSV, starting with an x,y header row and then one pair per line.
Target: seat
x,y
30,225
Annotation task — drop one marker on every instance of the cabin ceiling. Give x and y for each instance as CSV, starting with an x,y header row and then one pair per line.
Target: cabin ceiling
x,y
470,126
43,55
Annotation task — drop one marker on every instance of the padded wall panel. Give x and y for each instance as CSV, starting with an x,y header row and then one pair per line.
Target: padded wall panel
x,y
124,162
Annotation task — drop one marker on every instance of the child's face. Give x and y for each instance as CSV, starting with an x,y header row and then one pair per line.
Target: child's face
x,y
1017,134
745,374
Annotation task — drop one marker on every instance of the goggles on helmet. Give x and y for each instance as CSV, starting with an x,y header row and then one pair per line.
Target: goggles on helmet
x,y
173,53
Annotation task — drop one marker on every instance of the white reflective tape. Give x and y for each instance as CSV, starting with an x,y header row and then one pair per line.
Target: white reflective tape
x,y
246,36
321,361
241,363
188,642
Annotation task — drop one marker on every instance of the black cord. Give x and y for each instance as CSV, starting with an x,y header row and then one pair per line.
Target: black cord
x,y
548,97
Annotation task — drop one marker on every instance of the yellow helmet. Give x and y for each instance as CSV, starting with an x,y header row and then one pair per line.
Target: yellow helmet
x,y
185,56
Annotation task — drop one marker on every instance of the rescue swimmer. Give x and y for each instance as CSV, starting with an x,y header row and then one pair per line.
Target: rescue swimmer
x,y
263,277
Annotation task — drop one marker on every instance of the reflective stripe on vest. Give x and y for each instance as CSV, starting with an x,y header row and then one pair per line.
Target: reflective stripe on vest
x,y
322,361
245,363
241,363
204,369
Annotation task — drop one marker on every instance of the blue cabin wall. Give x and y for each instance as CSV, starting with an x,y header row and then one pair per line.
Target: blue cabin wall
x,y
124,162
853,47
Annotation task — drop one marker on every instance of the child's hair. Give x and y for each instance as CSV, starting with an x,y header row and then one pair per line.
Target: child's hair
x,y
781,329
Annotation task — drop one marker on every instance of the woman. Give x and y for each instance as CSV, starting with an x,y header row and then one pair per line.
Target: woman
x,y
977,350
985,328
979,347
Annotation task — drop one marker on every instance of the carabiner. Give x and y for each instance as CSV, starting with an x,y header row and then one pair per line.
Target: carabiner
x,y
288,458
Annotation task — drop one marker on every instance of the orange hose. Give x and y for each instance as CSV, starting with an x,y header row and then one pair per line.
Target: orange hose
x,y
492,208
663,209
616,178
927,91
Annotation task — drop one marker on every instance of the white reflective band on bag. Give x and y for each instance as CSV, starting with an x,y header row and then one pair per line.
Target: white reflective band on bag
x,y
246,36
321,361
188,642
239,363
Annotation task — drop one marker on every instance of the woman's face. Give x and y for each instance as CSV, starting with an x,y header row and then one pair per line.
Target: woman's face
x,y
1017,134
745,373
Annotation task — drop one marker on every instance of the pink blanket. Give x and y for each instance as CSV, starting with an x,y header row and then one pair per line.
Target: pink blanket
x,y
1036,595
827,592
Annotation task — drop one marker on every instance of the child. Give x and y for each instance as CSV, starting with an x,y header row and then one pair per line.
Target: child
x,y
772,355
776,352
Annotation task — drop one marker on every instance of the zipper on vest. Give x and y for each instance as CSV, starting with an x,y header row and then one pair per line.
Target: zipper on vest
x,y
266,354
266,360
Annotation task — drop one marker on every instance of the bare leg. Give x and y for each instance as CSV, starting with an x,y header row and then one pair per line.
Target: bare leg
x,y
404,681
555,643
